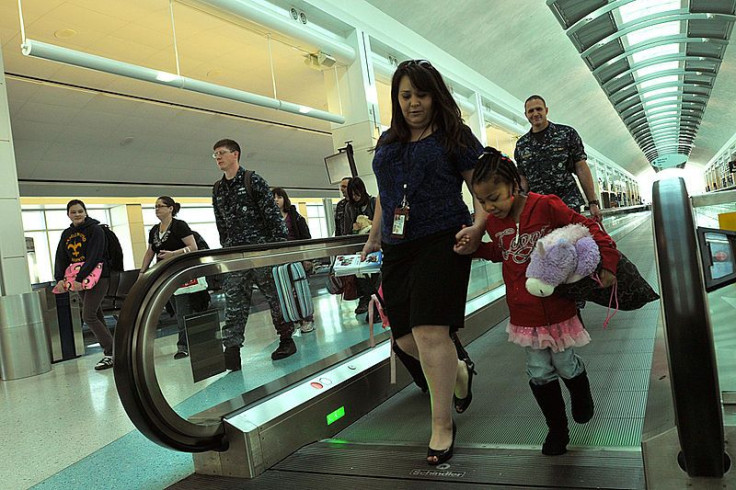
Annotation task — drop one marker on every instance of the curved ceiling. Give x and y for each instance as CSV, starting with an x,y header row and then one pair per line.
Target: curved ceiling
x,y
644,66
656,60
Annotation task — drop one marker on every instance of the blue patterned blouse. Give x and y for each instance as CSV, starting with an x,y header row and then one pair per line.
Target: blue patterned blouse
x,y
434,186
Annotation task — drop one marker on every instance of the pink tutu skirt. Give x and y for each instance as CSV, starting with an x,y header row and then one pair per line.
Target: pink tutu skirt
x,y
557,337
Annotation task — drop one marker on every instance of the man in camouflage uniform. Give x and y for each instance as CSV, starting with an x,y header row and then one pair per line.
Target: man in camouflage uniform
x,y
548,155
340,207
247,216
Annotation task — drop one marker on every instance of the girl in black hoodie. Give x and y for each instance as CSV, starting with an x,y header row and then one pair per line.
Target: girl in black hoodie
x,y
84,241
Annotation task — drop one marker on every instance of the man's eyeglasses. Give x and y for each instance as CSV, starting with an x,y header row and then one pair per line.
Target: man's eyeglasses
x,y
220,153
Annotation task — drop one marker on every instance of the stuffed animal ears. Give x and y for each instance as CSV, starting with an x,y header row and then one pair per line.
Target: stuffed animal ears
x,y
540,248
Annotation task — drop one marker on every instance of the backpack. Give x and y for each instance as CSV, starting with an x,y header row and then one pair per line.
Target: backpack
x,y
113,252
214,281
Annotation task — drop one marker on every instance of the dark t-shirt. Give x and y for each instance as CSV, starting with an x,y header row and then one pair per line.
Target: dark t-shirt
x,y
172,239
434,184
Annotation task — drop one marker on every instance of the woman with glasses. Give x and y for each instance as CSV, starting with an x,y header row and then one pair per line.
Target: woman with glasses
x,y
84,241
169,238
420,164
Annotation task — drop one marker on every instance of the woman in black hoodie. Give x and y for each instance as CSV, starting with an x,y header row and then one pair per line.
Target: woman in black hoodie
x,y
297,227
84,241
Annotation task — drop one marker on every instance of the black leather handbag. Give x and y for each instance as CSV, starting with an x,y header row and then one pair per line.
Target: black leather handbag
x,y
632,290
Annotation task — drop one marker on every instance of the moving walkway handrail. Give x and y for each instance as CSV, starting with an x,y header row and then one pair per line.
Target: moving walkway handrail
x,y
689,336
135,374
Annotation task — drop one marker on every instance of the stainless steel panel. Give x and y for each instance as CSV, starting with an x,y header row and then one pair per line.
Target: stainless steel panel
x,y
24,345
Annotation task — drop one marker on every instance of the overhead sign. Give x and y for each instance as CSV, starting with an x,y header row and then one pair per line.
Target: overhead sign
x,y
670,160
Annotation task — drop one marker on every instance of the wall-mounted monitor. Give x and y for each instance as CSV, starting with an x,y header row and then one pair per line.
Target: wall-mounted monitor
x,y
341,165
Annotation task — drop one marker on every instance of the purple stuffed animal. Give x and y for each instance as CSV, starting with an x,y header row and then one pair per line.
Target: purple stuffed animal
x,y
565,255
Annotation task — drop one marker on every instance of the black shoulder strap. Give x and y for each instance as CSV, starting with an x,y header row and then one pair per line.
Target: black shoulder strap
x,y
247,180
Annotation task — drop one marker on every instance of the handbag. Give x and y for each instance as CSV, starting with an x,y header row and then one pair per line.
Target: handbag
x,y
631,291
70,275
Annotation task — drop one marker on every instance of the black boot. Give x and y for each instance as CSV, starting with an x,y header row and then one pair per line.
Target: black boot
x,y
286,348
549,398
580,397
232,358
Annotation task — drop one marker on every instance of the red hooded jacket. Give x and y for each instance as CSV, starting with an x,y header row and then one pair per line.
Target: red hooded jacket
x,y
541,215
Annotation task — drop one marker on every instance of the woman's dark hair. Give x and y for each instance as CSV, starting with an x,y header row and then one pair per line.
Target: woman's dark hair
x,y
357,186
494,165
279,191
74,202
169,201
446,115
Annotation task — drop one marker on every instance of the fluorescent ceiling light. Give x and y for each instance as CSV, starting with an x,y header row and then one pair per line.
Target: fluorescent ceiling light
x,y
648,70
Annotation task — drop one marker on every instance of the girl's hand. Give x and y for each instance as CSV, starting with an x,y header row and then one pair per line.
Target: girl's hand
x,y
370,246
60,286
467,240
607,278
76,286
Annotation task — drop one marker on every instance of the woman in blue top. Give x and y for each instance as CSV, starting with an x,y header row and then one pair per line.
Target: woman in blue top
x,y
420,164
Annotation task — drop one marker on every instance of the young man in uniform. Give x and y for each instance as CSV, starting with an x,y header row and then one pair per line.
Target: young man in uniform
x,y
246,214
548,155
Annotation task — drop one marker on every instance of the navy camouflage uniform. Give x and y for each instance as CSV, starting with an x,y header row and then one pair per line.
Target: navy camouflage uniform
x,y
242,220
548,160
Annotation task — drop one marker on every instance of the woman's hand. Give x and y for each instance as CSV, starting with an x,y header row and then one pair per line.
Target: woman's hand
x,y
76,286
61,285
165,254
607,278
372,245
468,239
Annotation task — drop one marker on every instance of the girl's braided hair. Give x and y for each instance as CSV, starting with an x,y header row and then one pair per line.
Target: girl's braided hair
x,y
494,165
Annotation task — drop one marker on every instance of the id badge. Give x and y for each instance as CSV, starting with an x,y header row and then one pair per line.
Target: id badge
x,y
401,216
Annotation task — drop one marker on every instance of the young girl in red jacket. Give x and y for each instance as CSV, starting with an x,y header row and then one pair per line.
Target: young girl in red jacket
x,y
548,328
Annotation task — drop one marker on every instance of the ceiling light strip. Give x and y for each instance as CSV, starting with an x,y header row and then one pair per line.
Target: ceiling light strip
x,y
50,52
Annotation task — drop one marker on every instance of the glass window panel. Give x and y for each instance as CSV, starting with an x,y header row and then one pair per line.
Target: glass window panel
x,y
198,214
149,216
100,214
653,32
33,220
641,8
660,80
659,91
654,52
56,219
661,99
670,65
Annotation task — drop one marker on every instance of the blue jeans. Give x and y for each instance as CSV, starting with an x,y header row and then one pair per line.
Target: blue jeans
x,y
544,366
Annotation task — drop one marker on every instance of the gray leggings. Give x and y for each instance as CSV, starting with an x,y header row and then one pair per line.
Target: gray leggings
x,y
92,313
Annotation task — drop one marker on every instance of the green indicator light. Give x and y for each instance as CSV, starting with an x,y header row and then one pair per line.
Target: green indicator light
x,y
336,415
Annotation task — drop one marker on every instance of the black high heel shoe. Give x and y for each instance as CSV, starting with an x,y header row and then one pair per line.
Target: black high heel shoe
x,y
462,404
443,455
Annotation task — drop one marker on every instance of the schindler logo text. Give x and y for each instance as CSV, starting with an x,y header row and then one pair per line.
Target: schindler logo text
x,y
446,474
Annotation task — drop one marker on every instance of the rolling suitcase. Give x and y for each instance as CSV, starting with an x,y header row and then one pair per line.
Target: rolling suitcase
x,y
292,287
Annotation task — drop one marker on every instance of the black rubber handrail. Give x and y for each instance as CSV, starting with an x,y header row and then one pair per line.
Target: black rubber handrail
x,y
135,375
690,348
